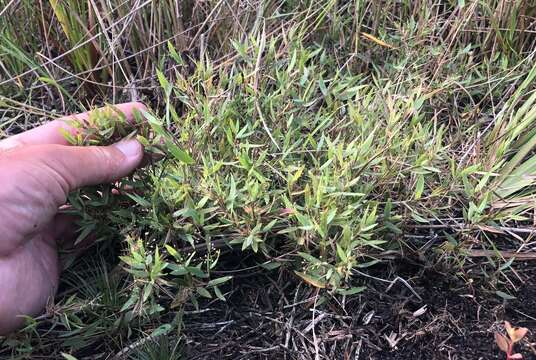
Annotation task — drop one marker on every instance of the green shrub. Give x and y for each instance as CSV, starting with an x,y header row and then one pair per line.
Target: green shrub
x,y
322,137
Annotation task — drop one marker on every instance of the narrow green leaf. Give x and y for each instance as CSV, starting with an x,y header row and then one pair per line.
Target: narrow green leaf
x,y
219,281
68,357
162,330
341,254
419,186
352,291
203,292
504,295
179,154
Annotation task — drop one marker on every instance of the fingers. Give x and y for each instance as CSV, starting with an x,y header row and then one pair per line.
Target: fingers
x,y
36,180
66,168
51,133
80,166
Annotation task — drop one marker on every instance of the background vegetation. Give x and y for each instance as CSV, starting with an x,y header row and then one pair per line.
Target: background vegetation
x,y
316,140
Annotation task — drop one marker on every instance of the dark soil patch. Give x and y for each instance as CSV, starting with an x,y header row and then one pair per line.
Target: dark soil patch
x,y
451,320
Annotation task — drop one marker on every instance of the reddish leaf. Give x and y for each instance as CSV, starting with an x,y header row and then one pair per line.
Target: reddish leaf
x,y
515,334
502,342
316,282
519,333
286,211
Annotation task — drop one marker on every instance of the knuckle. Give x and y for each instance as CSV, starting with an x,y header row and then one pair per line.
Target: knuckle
x,y
107,161
51,165
10,144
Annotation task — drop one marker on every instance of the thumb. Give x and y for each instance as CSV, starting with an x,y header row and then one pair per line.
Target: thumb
x,y
77,166
37,179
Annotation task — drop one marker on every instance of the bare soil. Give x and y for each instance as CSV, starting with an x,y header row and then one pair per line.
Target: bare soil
x,y
426,314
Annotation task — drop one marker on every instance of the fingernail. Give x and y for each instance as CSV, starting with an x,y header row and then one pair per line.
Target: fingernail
x,y
129,148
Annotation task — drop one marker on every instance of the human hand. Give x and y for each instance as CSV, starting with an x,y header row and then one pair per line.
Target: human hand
x,y
38,169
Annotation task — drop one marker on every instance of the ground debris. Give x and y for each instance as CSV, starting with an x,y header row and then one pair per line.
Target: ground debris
x,y
446,324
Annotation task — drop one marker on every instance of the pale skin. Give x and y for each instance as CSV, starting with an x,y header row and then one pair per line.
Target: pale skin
x,y
38,169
